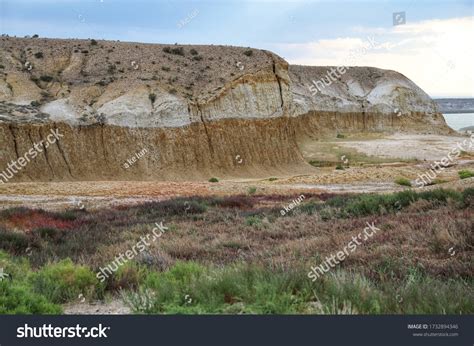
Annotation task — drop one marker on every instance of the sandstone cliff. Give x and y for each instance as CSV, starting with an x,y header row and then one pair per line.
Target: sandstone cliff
x,y
199,111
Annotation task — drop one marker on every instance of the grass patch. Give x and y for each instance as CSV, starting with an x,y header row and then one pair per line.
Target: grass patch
x,y
403,181
254,289
464,174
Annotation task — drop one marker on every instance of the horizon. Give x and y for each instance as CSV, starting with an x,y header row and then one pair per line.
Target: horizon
x,y
429,44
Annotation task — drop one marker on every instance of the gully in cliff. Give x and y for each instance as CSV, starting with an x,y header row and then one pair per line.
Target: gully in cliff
x,y
15,166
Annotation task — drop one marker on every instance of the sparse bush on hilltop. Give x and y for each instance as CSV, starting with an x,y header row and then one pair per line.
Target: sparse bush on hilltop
x,y
174,50
93,42
193,51
46,78
248,52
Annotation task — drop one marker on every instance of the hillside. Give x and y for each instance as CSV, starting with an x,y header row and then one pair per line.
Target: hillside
x,y
198,111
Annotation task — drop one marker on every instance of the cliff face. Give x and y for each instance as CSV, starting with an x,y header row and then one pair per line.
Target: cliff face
x,y
197,111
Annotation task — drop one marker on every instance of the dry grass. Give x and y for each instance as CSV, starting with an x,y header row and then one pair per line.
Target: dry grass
x,y
250,229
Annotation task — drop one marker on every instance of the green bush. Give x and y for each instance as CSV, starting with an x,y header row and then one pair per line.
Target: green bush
x,y
252,190
464,174
63,281
370,204
213,180
248,52
340,135
403,181
272,179
18,299
253,221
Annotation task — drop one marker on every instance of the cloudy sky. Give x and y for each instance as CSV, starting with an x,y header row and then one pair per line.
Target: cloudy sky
x,y
433,44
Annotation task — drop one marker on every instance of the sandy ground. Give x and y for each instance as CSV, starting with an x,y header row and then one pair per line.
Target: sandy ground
x,y
114,307
403,146
358,177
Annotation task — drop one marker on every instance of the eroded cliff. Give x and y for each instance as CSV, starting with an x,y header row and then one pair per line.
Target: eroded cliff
x,y
198,111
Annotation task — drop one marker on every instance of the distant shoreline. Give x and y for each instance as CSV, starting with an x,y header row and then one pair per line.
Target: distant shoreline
x,y
458,111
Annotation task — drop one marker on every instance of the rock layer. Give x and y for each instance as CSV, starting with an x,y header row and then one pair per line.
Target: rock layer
x,y
199,111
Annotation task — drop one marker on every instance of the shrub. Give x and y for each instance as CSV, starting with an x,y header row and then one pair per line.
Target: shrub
x,y
403,181
174,50
67,215
47,233
152,98
340,135
248,52
18,299
193,51
164,68
464,174
251,190
38,55
13,241
272,179
35,103
46,79
213,180
253,221
234,202
197,58
128,276
93,42
468,197
178,206
339,166
63,281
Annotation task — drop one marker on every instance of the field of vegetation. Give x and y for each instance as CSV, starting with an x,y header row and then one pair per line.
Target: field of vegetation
x,y
239,254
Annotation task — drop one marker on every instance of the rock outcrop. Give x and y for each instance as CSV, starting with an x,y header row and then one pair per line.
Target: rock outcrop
x,y
199,111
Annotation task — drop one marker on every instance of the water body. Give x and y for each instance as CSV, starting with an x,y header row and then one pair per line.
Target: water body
x,y
459,120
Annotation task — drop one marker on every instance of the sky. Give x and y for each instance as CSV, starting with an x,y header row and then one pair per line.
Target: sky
x,y
430,42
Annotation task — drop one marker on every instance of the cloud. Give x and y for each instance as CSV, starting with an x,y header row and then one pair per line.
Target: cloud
x,y
436,54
